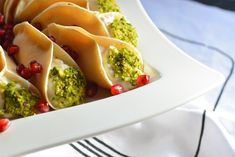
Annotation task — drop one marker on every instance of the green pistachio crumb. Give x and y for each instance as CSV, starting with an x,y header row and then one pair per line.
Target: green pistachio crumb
x,y
69,87
121,29
125,64
108,6
18,101
1,114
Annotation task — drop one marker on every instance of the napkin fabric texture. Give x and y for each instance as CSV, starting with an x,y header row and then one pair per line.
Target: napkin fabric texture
x,y
204,127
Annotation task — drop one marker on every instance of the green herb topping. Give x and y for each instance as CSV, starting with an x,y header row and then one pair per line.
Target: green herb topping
x,y
121,29
1,114
108,6
125,64
18,101
69,87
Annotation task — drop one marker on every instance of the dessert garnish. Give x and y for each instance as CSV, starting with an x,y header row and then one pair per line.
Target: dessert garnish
x,y
4,124
35,67
116,89
42,106
142,80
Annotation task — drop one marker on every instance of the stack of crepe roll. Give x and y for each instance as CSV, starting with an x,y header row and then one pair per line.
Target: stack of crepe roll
x,y
75,41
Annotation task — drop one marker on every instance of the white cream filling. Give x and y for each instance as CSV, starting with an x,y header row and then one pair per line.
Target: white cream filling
x,y
59,64
108,18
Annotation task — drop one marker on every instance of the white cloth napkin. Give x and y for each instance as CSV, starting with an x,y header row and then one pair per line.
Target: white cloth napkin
x,y
173,134
177,133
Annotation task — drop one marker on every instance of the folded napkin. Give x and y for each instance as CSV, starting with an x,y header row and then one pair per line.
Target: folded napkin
x,y
204,127
175,133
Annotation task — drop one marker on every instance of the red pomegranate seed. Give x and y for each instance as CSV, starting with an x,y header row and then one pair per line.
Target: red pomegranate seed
x,y
4,124
6,44
38,26
91,89
8,26
143,80
52,38
19,68
12,50
9,35
35,67
117,89
43,106
2,32
1,19
26,73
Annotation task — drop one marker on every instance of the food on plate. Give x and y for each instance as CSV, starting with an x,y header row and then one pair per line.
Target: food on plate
x,y
106,61
4,124
111,24
119,28
2,5
63,53
107,22
27,9
61,82
104,6
9,10
18,97
59,13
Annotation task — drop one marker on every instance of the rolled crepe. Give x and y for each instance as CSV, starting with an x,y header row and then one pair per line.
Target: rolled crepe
x,y
94,51
111,24
69,14
27,9
9,10
18,96
57,65
2,5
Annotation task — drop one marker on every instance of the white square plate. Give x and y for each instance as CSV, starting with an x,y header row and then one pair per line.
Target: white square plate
x,y
182,79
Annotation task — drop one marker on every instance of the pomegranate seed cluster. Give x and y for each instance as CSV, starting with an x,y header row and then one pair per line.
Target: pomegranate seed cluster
x,y
28,72
7,36
141,81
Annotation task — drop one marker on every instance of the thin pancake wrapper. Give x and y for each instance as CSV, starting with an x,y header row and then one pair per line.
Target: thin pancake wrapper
x,y
111,24
69,14
9,10
34,45
9,76
28,9
92,53
2,5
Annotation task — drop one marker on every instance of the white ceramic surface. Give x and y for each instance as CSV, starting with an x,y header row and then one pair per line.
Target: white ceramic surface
x,y
182,79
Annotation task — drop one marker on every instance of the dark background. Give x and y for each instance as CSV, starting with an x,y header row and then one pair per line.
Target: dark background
x,y
225,4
